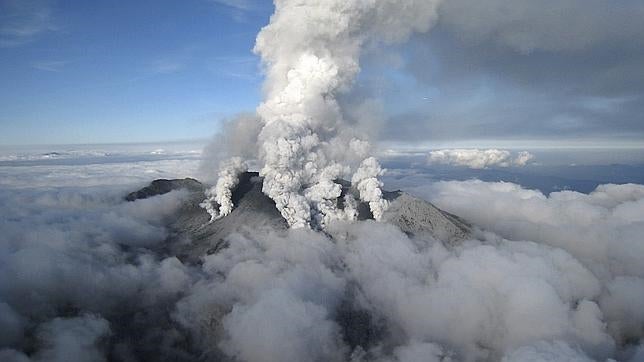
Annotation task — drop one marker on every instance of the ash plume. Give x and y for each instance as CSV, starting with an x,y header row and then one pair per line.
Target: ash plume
x,y
222,192
311,53
366,181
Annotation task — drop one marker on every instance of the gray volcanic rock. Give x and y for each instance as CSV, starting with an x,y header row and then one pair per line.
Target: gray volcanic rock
x,y
193,235
163,186
197,236
418,217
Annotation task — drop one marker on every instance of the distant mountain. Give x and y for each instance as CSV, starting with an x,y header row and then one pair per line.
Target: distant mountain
x,y
193,235
163,186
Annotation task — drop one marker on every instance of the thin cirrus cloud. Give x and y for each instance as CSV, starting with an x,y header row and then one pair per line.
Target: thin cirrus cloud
x,y
166,66
22,22
241,10
50,66
244,5
237,67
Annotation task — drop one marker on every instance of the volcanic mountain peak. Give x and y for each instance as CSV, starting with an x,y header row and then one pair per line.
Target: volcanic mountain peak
x,y
196,236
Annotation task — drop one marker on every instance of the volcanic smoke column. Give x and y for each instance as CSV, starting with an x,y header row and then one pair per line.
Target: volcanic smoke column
x,y
311,51
222,192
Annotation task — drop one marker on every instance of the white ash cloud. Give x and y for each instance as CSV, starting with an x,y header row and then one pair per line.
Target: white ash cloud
x,y
222,192
311,52
479,159
366,181
237,138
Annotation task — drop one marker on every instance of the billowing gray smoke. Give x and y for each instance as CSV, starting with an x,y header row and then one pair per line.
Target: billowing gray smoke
x,y
222,192
311,51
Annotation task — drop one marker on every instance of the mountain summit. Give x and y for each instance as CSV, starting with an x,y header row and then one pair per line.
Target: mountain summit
x,y
196,236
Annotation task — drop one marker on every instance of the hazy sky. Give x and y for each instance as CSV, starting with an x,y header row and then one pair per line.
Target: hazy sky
x,y
562,72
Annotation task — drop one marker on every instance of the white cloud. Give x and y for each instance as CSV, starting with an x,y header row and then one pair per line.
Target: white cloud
x,y
65,339
23,21
166,66
75,261
547,352
241,10
243,5
106,165
50,66
602,227
477,159
75,339
602,230
241,67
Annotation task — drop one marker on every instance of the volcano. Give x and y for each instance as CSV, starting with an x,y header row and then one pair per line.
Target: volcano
x,y
192,235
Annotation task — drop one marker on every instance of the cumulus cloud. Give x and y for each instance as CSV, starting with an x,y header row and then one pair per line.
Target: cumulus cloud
x,y
74,261
602,226
484,300
84,272
73,339
602,230
65,339
477,159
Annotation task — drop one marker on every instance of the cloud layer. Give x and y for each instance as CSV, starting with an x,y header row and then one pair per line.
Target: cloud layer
x,y
84,273
477,159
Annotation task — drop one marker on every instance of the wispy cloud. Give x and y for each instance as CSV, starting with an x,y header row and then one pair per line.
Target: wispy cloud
x,y
240,10
50,66
21,21
243,5
239,67
166,66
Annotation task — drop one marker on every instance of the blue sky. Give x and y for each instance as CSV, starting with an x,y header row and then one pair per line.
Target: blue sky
x,y
125,71
509,73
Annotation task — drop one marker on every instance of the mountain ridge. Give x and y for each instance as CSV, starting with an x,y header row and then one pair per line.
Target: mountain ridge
x,y
192,235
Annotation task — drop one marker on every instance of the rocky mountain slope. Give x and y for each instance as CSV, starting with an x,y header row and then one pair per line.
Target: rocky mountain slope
x,y
193,235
